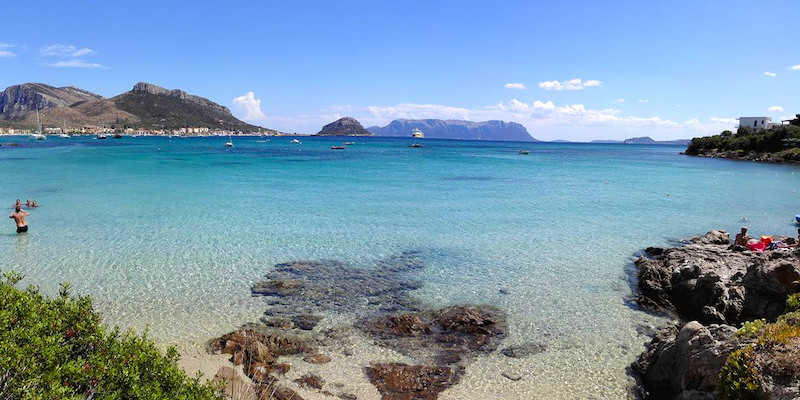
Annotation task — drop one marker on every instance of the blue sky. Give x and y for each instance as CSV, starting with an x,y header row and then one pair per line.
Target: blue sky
x,y
661,69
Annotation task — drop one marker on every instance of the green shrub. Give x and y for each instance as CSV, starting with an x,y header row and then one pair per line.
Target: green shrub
x,y
751,329
738,378
793,303
57,348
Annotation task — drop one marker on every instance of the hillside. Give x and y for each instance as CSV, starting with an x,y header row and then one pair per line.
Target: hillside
x,y
146,106
456,129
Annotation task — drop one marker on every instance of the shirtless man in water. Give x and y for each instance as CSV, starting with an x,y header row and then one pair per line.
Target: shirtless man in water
x,y
19,217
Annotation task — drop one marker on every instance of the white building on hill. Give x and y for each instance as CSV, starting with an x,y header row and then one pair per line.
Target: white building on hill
x,y
757,123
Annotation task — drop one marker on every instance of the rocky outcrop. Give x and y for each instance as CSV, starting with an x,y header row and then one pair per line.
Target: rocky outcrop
x,y
258,354
708,281
455,129
682,363
344,127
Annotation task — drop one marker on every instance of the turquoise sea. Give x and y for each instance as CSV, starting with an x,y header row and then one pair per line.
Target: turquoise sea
x,y
171,233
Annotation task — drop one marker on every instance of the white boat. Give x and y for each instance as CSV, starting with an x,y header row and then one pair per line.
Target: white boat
x,y
101,136
416,133
38,134
64,135
296,141
229,143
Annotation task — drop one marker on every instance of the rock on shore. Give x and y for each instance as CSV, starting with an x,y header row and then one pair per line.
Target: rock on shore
x,y
708,281
714,286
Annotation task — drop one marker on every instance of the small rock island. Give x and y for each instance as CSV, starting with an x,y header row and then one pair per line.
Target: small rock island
x,y
346,126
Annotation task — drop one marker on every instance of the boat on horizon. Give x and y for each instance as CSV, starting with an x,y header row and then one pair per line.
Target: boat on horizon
x,y
416,133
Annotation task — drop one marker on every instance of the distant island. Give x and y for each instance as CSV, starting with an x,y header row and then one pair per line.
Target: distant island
x,y
346,126
147,108
776,144
643,140
455,129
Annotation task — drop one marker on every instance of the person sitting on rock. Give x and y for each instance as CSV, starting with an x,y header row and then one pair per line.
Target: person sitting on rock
x,y
741,238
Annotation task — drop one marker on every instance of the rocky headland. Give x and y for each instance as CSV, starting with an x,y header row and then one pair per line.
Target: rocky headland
x,y
738,337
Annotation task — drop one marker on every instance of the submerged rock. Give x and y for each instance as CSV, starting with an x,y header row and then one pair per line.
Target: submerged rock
x,y
311,381
396,381
525,350
299,289
708,281
441,337
442,341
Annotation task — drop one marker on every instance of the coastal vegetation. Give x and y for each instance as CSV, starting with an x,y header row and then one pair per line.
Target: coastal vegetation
x,y
57,348
780,144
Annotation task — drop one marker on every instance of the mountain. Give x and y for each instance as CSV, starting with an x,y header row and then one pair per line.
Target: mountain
x,y
146,106
344,127
456,129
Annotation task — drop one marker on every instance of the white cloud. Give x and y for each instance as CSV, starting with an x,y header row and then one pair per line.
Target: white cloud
x,y
517,85
250,106
572,84
775,108
770,74
5,52
723,120
619,100
796,67
75,63
643,101
65,51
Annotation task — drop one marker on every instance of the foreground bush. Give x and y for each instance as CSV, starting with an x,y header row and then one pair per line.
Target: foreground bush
x,y
773,358
57,348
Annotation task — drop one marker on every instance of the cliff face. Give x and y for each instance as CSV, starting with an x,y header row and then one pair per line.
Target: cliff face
x,y
344,127
19,100
456,129
149,88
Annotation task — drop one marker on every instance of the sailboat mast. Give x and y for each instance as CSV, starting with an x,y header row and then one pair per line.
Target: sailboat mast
x,y
38,124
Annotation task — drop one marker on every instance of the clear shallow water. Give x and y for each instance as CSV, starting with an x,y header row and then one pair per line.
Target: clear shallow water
x,y
171,233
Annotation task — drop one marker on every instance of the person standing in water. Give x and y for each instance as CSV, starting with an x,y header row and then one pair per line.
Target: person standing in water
x,y
19,217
